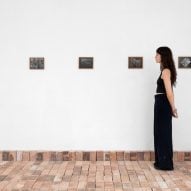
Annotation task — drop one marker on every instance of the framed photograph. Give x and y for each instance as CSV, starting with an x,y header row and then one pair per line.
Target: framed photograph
x,y
85,62
135,62
36,63
184,62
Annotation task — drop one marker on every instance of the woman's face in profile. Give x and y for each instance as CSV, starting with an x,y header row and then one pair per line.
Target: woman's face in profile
x,y
158,58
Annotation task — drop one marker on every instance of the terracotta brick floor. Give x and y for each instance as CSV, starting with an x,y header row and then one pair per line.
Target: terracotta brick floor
x,y
88,175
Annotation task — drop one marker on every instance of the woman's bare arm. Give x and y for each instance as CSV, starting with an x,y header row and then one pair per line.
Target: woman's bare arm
x,y
169,92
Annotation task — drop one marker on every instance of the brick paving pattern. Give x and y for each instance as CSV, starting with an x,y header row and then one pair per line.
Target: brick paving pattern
x,y
92,176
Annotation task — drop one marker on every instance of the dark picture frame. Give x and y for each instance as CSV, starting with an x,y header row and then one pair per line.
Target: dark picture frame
x,y
86,62
184,62
135,62
36,63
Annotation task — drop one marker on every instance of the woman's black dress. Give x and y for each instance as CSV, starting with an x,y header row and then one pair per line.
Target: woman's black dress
x,y
162,129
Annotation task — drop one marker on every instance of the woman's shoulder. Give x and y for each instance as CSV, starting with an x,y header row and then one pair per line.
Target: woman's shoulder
x,y
166,73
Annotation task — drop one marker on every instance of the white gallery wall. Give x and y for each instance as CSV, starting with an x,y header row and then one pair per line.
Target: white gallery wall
x,y
107,108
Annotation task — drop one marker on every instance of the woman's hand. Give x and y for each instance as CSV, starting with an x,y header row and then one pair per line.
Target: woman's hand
x,y
174,113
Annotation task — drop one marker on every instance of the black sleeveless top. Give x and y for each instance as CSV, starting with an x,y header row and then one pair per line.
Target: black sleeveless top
x,y
160,85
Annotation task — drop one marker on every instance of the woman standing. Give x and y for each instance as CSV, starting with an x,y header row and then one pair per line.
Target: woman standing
x,y
164,109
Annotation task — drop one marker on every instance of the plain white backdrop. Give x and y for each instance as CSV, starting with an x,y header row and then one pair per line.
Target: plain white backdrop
x,y
107,108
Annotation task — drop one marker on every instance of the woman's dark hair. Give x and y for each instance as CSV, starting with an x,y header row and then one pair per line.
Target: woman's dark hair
x,y
168,62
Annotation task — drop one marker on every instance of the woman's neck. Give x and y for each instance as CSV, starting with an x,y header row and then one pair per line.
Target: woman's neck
x,y
161,67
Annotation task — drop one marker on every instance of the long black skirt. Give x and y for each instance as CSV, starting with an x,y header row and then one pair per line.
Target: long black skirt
x,y
163,133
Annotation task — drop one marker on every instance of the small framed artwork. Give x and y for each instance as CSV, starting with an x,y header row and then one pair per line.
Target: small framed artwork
x,y
135,62
36,63
184,62
85,62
